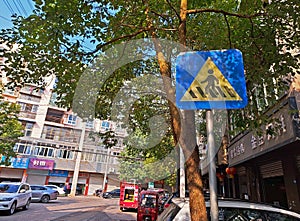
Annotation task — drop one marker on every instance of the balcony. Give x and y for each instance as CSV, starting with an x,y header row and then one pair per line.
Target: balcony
x,y
32,90
27,115
54,116
27,97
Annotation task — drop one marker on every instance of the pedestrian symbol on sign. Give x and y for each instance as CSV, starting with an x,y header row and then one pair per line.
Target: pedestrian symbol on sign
x,y
211,79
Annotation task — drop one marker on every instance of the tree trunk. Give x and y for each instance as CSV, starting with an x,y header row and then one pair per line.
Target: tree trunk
x,y
188,143
183,124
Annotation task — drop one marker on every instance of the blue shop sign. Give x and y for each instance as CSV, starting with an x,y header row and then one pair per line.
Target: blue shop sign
x,y
60,173
19,162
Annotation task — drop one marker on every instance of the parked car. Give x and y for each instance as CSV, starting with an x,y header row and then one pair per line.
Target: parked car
x,y
43,194
60,190
14,195
112,194
231,210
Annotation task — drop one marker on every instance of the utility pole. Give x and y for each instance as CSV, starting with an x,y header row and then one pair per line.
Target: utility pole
x,y
78,159
106,169
109,142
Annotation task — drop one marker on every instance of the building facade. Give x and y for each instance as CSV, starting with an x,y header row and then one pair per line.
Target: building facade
x,y
47,152
267,165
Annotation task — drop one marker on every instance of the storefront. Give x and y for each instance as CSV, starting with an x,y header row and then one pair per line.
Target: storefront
x,y
38,170
16,172
267,165
82,182
96,182
57,177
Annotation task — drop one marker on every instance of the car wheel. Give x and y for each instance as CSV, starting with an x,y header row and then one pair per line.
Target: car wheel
x,y
12,208
45,199
26,207
122,209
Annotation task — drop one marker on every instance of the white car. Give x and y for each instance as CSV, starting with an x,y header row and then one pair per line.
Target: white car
x,y
231,210
14,195
60,190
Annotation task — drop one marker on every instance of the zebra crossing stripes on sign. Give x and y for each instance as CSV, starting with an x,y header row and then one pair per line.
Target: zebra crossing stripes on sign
x,y
210,80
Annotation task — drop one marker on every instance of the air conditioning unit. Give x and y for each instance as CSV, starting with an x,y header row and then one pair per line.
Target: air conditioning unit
x,y
112,170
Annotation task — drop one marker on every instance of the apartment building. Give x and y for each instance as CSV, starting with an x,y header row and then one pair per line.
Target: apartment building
x,y
47,152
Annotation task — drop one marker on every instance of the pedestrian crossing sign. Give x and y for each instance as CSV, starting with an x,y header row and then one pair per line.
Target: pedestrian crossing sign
x,y
210,80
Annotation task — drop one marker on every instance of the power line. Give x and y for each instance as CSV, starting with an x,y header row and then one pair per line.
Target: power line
x,y
6,2
30,5
22,7
4,18
17,7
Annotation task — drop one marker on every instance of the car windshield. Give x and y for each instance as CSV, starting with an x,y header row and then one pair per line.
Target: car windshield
x,y
8,188
148,200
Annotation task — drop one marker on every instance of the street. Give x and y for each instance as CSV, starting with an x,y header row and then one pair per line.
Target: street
x,y
79,208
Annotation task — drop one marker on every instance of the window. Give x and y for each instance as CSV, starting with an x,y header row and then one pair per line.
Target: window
x,y
23,148
65,154
28,129
90,124
34,108
51,132
105,125
71,119
28,107
36,151
87,155
101,156
50,152
24,187
53,99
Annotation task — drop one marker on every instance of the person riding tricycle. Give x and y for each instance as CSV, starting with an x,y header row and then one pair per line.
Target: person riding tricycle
x,y
149,205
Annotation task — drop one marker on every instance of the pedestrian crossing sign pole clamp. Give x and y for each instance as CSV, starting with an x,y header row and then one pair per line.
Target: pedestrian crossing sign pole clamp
x,y
210,80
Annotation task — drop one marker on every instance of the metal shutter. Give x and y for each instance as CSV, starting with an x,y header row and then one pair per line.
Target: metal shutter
x,y
298,162
271,169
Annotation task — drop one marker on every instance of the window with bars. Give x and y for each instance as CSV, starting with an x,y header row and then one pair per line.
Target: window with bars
x,y
105,125
71,119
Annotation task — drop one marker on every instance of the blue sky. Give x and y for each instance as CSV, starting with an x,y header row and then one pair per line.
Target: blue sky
x,y
10,7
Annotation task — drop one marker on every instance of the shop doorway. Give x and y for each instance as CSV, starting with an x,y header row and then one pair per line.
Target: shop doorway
x,y
10,180
274,191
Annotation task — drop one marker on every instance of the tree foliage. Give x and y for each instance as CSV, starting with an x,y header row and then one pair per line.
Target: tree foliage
x,y
10,128
62,37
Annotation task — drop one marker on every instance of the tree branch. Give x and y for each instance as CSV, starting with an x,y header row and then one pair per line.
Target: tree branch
x,y
177,14
100,46
195,11
229,34
134,26
162,16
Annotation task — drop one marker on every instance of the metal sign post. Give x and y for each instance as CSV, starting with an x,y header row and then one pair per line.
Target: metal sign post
x,y
214,211
182,175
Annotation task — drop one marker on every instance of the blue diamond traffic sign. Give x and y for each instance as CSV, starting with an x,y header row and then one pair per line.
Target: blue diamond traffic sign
x,y
210,80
